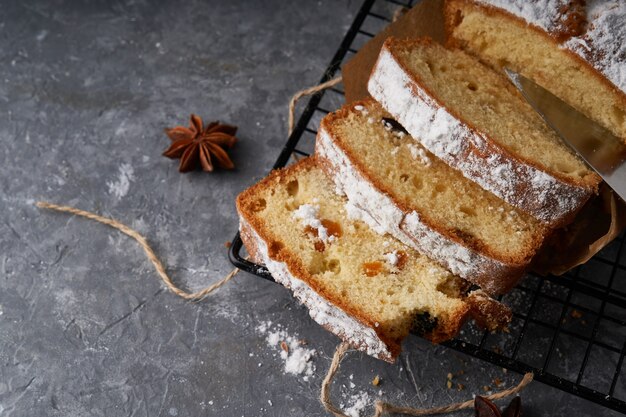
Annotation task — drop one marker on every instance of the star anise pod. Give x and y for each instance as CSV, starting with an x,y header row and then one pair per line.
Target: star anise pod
x,y
485,408
195,145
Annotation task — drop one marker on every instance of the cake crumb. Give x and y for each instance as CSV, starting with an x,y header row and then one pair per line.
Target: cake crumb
x,y
376,381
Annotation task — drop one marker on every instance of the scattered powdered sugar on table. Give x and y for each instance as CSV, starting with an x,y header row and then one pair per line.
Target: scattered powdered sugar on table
x,y
120,187
296,357
356,403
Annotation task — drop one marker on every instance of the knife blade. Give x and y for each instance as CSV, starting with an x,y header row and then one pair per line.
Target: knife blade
x,y
597,146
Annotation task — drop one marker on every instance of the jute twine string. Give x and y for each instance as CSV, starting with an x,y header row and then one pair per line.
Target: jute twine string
x,y
158,265
307,92
382,407
328,380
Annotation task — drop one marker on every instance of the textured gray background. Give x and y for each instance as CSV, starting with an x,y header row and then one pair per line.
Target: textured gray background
x,y
86,327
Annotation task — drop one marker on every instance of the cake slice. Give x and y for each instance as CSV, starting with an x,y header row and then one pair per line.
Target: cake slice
x,y
368,289
420,200
577,51
472,118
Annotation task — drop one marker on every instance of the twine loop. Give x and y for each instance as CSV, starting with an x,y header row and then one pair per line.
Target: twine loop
x,y
158,265
381,407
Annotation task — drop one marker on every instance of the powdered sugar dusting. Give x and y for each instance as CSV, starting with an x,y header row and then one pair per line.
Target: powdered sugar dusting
x,y
604,42
120,187
521,185
542,13
297,357
334,319
356,404
419,154
356,213
391,258
458,259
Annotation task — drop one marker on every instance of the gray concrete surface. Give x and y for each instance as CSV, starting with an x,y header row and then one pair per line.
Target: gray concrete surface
x,y
86,326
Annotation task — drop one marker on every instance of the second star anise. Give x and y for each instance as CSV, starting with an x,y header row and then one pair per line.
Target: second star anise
x,y
199,146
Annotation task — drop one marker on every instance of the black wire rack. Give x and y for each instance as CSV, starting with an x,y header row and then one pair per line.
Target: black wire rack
x,y
570,330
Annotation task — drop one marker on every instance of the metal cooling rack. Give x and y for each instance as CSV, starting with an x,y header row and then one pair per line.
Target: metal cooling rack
x,y
570,331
